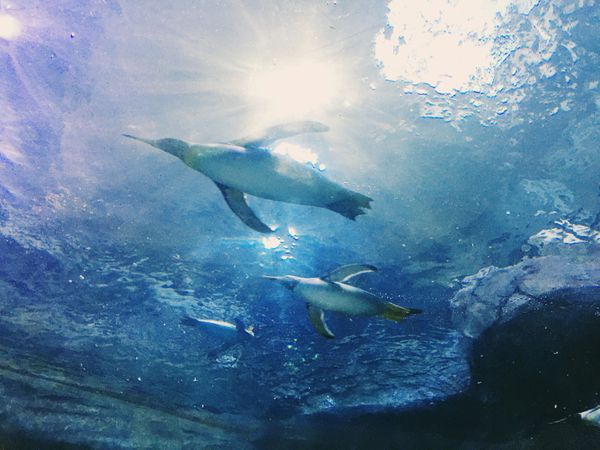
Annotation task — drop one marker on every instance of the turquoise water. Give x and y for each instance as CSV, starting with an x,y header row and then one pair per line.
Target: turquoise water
x,y
473,128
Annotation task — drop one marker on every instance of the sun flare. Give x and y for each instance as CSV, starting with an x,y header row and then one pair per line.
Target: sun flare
x,y
293,90
10,27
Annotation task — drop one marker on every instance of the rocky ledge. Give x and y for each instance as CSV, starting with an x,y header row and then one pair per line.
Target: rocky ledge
x,y
534,329
566,268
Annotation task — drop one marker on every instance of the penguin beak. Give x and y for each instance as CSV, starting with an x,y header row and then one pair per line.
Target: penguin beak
x,y
145,141
175,147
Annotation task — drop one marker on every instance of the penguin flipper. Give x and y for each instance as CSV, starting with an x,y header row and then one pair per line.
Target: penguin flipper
x,y
282,131
236,200
344,273
317,319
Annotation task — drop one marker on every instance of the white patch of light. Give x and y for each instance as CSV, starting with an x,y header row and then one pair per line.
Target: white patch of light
x,y
295,89
10,27
293,233
297,152
11,153
448,44
271,242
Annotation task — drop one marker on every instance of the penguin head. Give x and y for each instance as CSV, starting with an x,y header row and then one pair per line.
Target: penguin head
x,y
289,281
175,147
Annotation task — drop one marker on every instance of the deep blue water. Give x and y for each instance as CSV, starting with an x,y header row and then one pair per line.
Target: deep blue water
x,y
475,131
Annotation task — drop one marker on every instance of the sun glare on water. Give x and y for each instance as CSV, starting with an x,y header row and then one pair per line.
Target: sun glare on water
x,y
450,45
292,90
271,242
10,27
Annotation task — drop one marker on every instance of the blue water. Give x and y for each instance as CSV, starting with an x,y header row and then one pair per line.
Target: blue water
x,y
107,244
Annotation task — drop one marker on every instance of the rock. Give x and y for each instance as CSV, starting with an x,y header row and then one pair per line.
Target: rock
x,y
540,365
569,263
534,329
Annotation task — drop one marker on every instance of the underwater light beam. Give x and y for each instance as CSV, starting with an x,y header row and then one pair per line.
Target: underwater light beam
x,y
10,27
293,90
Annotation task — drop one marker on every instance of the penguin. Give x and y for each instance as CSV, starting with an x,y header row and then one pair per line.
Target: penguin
x,y
226,333
331,293
219,328
589,417
247,166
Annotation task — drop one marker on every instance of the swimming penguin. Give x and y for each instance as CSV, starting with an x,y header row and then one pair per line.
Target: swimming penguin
x,y
589,417
221,329
246,166
331,293
226,334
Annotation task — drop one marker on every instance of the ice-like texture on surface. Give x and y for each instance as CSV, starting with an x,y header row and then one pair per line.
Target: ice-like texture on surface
x,y
486,59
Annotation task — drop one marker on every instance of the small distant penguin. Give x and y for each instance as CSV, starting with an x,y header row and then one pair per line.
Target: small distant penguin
x,y
246,166
227,333
589,417
331,293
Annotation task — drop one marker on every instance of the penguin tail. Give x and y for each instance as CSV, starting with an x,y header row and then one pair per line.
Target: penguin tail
x,y
397,313
351,206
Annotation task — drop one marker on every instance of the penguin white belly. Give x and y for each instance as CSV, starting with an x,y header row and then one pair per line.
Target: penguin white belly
x,y
262,174
339,297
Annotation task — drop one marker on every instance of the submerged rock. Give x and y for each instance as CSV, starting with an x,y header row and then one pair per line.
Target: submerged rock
x,y
534,329
568,267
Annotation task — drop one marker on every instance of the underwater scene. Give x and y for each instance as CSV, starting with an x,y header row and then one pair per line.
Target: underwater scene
x,y
265,224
